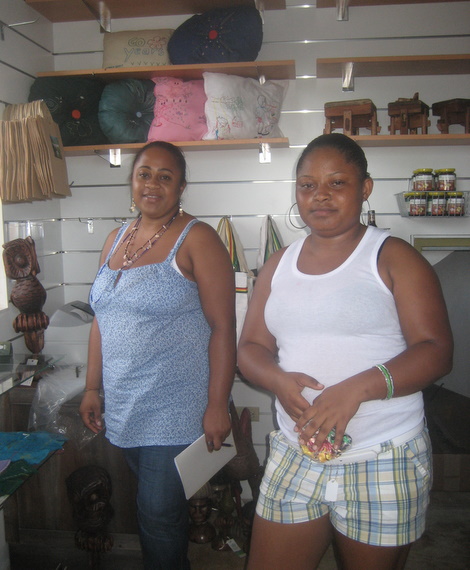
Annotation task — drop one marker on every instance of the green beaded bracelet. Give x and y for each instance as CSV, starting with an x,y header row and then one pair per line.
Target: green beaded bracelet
x,y
388,379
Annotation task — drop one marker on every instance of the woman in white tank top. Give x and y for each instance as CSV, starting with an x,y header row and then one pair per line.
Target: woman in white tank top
x,y
339,329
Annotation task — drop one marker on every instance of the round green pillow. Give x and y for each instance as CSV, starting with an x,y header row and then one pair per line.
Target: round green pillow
x,y
126,110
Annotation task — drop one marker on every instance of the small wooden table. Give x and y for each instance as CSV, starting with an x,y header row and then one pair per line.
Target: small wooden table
x,y
452,112
408,115
351,116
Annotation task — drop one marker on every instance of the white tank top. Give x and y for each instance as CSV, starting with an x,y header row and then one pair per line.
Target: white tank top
x,y
338,324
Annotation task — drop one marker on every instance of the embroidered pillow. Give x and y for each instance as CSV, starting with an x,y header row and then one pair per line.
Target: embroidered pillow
x,y
218,36
179,110
126,110
73,103
242,108
136,48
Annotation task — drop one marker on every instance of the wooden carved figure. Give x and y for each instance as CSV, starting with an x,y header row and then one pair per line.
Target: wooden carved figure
x,y
27,295
245,466
201,529
89,491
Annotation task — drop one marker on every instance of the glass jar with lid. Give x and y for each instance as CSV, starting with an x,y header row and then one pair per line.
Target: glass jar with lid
x,y
446,180
455,205
415,203
423,180
436,204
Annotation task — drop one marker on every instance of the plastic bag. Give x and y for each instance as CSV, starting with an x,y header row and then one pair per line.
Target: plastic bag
x,y
56,387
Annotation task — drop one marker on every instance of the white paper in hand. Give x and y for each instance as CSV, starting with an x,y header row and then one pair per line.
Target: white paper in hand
x,y
196,465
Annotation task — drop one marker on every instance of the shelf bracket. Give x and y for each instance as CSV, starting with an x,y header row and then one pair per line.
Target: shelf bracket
x,y
342,10
90,222
102,15
348,76
114,157
3,26
264,153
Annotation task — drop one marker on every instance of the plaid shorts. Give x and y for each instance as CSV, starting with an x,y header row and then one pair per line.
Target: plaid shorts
x,y
380,502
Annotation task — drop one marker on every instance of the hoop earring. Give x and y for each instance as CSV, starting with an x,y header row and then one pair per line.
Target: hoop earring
x,y
132,206
180,210
290,220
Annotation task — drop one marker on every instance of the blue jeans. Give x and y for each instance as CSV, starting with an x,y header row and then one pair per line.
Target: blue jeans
x,y
162,509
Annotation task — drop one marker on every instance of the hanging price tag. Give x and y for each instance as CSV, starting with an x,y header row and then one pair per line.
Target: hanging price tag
x,y
331,492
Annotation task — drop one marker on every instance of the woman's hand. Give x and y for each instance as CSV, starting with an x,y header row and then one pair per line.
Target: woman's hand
x,y
90,410
288,391
217,426
334,408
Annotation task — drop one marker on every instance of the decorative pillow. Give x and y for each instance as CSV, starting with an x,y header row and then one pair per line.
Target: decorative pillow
x,y
242,108
136,48
218,36
179,110
73,103
126,110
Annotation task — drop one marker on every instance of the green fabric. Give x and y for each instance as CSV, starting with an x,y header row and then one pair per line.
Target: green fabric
x,y
14,475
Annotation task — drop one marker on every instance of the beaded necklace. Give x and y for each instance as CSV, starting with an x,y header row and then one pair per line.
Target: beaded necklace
x,y
138,253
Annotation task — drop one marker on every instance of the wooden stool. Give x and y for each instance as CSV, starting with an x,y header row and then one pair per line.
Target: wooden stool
x,y
408,115
351,116
452,112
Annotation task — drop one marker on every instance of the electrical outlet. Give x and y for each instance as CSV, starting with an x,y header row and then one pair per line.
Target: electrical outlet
x,y
254,412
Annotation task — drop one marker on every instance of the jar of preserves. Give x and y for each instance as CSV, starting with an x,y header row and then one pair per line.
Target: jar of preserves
x,y
455,205
436,204
416,203
423,180
446,180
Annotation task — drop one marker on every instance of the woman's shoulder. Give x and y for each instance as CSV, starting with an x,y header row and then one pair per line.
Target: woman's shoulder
x,y
398,246
199,230
108,244
399,257
271,264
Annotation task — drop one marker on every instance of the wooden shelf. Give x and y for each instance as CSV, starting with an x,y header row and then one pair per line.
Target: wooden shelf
x,y
396,65
352,3
254,69
128,148
76,10
412,140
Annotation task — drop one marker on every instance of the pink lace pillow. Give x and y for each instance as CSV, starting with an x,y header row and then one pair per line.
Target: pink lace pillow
x,y
179,110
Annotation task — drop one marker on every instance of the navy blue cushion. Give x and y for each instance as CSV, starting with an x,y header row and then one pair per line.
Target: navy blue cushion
x,y
126,110
218,36
73,103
